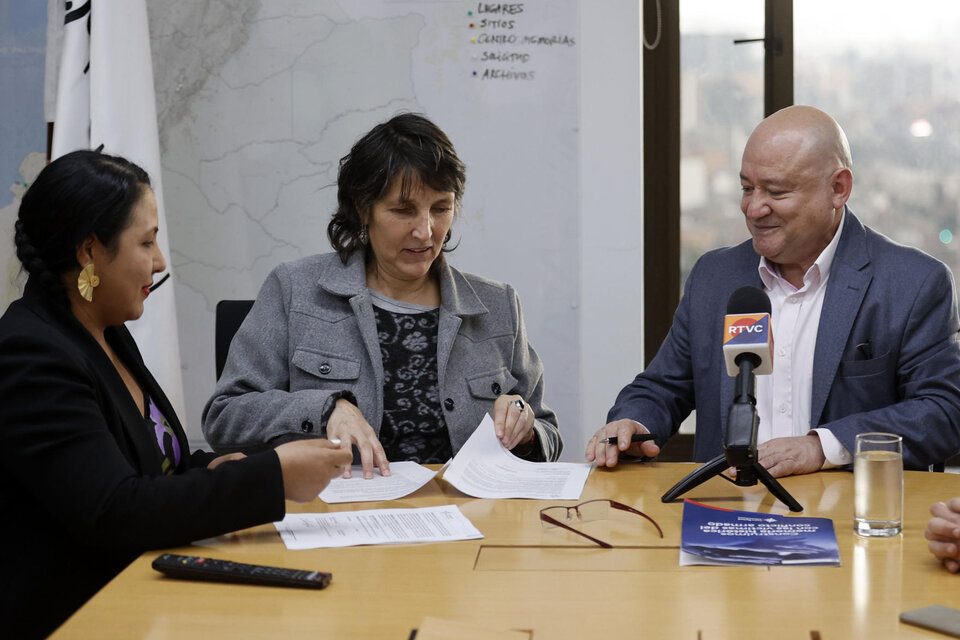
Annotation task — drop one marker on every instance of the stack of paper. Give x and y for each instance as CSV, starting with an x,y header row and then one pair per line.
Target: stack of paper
x,y
483,468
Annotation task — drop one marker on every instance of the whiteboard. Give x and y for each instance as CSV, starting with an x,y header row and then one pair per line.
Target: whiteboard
x,y
258,101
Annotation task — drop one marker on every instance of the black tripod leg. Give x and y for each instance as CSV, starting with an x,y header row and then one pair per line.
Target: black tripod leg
x,y
776,488
698,477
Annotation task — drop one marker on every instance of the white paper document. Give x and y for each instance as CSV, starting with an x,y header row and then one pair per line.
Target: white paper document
x,y
484,468
404,479
375,526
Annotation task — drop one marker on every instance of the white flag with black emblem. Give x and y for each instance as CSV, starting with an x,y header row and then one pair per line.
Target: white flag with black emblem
x,y
106,96
72,128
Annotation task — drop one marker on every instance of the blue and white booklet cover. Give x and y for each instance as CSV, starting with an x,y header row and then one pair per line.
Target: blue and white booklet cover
x,y
714,536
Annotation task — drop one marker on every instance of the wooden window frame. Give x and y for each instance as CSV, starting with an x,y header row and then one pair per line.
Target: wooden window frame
x,y
661,159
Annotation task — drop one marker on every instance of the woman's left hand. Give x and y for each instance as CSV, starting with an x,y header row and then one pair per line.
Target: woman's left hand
x,y
513,421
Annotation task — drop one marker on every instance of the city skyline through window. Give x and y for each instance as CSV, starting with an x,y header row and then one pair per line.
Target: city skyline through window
x,y
887,73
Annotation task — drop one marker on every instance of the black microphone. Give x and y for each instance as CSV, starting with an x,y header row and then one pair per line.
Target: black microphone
x,y
157,284
747,349
746,331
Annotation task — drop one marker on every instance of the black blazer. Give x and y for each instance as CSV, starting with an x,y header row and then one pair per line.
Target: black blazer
x,y
81,490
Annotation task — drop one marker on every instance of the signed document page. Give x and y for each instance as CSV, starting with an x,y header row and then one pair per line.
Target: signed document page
x,y
404,479
375,526
483,468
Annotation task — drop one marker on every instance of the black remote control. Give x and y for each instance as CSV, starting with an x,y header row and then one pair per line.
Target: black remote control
x,y
199,568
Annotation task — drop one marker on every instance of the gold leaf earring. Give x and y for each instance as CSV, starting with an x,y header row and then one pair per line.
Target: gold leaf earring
x,y
87,281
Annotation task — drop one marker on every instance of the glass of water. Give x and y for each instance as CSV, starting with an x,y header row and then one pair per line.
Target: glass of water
x,y
878,484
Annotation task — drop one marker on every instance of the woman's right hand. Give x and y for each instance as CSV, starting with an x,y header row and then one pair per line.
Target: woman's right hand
x,y
347,424
309,465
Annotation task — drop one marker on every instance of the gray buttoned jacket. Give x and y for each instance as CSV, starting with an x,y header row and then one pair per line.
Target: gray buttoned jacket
x,y
311,336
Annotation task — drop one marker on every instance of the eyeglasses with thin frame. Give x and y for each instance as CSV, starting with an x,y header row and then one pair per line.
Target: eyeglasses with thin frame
x,y
575,512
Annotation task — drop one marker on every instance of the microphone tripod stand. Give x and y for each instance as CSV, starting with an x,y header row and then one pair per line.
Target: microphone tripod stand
x,y
739,448
747,476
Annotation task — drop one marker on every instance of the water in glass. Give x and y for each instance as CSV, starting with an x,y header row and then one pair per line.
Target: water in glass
x,y
878,491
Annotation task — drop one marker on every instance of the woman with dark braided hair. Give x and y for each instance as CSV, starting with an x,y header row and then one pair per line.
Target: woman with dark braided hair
x,y
383,344
94,465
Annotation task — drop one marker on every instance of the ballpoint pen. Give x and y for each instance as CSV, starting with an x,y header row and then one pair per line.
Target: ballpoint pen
x,y
637,437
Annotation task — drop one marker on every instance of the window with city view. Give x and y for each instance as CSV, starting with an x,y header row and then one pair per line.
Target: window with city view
x,y
887,72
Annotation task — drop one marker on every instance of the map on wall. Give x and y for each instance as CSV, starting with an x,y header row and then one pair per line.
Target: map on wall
x,y
22,129
258,101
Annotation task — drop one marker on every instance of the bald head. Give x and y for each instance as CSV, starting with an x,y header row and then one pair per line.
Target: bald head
x,y
795,178
809,133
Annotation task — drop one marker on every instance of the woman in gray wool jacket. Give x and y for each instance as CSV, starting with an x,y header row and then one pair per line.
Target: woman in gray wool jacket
x,y
383,344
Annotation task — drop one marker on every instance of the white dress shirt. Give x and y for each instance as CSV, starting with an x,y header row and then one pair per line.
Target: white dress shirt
x,y
783,397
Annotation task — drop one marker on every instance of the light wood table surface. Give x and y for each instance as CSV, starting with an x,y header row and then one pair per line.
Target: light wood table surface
x,y
551,582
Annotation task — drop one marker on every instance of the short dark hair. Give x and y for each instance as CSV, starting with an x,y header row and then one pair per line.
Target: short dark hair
x,y
79,194
408,145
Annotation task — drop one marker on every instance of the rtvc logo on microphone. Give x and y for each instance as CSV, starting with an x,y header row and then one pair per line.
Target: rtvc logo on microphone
x,y
749,328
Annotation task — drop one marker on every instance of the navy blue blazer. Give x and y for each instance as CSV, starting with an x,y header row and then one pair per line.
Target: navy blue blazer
x,y
898,298
81,487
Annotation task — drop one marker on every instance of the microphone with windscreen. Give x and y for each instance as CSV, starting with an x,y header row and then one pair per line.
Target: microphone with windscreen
x,y
746,331
747,350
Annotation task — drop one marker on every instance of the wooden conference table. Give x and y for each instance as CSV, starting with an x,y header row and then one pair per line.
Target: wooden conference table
x,y
553,583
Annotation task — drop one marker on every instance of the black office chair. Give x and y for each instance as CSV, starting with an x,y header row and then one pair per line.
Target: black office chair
x,y
229,317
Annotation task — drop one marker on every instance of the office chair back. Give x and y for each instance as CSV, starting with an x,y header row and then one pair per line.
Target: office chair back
x,y
229,316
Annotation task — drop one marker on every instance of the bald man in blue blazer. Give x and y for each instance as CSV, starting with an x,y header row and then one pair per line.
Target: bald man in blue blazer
x,y
872,348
